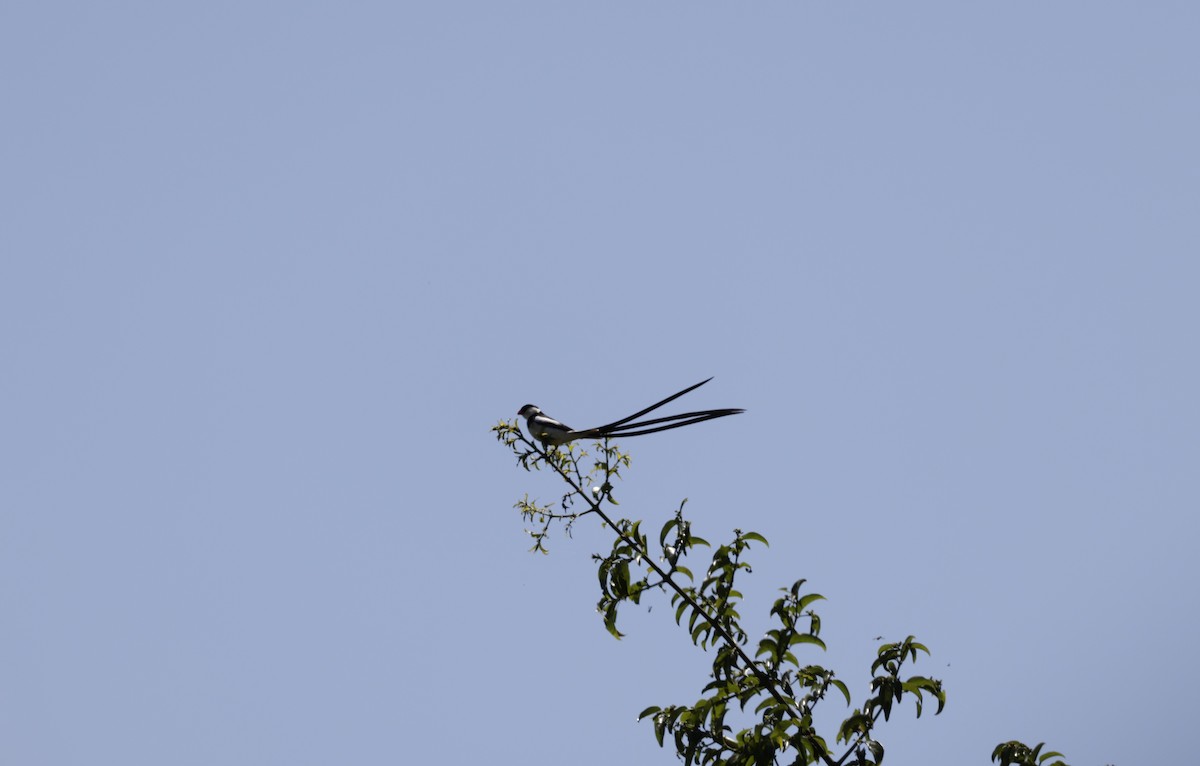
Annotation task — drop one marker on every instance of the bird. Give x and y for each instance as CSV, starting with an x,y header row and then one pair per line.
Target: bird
x,y
554,432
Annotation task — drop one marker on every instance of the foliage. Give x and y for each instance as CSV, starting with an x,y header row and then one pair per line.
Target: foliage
x,y
775,684
1019,754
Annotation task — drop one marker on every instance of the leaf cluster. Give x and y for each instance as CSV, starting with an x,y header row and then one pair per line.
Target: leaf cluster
x,y
1019,754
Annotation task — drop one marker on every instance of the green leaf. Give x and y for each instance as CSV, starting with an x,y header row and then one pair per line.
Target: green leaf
x,y
769,648
840,686
876,750
610,621
660,728
756,536
858,723
805,638
648,711
914,647
666,530
916,683
804,601
621,580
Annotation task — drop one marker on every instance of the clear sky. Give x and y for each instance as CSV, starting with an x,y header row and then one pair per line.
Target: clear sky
x,y
270,271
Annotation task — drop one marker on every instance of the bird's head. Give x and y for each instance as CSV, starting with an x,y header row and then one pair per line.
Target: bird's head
x,y
529,410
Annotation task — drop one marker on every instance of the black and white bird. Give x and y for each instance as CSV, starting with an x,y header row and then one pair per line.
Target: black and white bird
x,y
550,431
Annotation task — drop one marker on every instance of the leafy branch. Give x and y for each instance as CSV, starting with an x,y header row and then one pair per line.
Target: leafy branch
x,y
780,690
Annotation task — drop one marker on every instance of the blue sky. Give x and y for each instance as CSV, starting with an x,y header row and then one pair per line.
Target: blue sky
x,y
270,271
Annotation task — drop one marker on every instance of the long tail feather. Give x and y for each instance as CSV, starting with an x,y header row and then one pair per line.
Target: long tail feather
x,y
669,426
651,408
701,415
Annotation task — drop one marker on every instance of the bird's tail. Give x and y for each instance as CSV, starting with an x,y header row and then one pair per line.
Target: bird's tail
x,y
669,422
